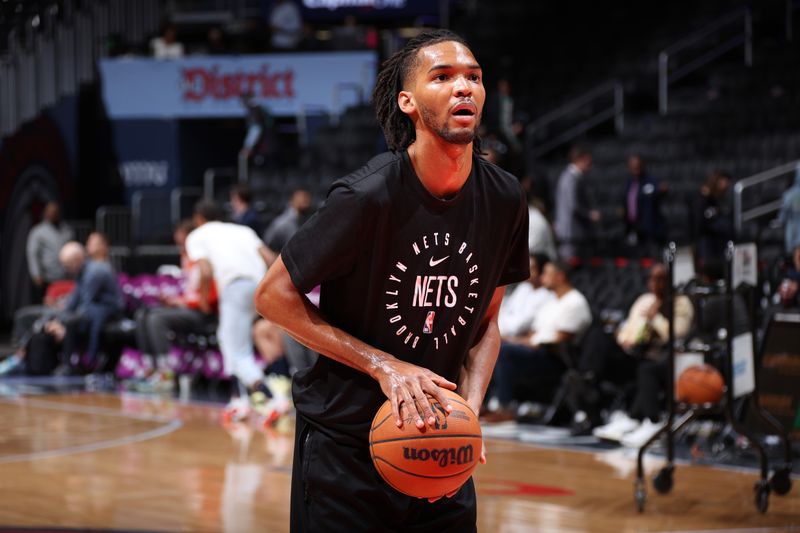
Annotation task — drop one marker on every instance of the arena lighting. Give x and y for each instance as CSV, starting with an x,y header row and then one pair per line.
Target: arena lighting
x,y
336,4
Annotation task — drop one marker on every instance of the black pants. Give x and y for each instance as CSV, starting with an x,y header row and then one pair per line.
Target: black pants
x,y
651,386
525,373
154,324
335,487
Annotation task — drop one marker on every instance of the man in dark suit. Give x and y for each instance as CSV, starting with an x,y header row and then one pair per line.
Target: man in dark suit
x,y
641,207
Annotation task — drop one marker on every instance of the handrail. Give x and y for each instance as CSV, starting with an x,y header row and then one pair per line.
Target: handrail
x,y
791,6
615,112
210,179
739,215
665,78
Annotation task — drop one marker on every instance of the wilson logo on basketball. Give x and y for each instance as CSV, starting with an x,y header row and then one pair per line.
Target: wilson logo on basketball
x,y
444,456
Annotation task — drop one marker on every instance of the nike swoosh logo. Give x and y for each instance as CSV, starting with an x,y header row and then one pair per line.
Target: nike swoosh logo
x,y
433,262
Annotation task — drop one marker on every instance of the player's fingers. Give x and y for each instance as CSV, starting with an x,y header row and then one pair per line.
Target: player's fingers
x,y
483,452
439,395
395,400
423,405
448,495
408,398
441,382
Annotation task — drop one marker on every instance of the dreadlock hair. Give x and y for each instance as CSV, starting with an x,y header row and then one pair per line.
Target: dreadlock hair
x,y
397,126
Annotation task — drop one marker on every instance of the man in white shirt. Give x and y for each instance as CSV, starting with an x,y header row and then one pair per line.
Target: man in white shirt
x,y
519,309
237,259
533,358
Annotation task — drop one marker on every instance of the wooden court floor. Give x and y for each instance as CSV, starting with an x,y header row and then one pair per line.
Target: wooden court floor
x,y
138,463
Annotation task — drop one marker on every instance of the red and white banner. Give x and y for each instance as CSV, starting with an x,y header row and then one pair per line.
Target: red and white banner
x,y
209,86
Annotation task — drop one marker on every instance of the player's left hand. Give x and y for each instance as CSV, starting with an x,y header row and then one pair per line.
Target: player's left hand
x,y
448,495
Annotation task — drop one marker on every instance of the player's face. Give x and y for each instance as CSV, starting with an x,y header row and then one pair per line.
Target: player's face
x,y
447,89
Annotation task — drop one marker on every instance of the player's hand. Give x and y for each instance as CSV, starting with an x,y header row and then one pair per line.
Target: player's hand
x,y
408,386
483,452
448,495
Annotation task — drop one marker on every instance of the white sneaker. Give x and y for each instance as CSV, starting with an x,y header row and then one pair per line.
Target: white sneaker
x,y
237,410
619,425
270,410
637,438
278,385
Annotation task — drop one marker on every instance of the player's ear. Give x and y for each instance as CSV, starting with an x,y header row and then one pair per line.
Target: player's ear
x,y
405,100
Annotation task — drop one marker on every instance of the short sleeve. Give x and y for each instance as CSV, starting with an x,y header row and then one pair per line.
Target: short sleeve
x,y
327,245
195,246
574,315
517,266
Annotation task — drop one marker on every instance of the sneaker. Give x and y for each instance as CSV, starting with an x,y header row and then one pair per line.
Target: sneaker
x,y
619,425
11,365
637,438
238,409
269,409
279,385
159,381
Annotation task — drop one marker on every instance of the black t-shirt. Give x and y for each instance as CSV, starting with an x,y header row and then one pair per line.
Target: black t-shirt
x,y
406,272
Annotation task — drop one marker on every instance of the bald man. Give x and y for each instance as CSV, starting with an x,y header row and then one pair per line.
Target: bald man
x,y
95,300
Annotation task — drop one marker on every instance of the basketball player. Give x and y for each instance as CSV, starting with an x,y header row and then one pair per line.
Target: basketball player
x,y
411,252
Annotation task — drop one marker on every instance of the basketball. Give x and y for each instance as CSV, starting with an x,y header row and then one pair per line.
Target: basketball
x,y
428,462
700,384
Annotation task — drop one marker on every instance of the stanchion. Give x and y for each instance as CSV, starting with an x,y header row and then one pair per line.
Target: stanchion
x,y
686,413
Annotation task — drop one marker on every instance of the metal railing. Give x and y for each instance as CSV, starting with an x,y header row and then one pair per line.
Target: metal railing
x,y
217,183
538,129
740,215
44,62
791,7
151,216
712,30
115,222
182,201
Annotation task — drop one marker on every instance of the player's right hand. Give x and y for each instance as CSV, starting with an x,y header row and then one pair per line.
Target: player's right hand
x,y
408,386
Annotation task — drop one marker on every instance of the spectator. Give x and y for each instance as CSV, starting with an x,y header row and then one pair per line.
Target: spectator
x,y
95,300
501,120
215,42
789,289
533,359
540,234
518,311
286,24
97,246
44,243
166,46
641,208
243,212
236,259
715,217
287,223
179,314
790,214
573,212
260,142
349,35
641,337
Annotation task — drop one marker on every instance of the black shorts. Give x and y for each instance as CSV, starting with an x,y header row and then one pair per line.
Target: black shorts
x,y
335,487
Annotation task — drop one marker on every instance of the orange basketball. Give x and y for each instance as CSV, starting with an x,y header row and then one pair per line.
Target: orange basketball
x,y
700,384
428,462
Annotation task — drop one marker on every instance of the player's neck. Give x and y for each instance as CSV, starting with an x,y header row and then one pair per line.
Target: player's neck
x,y
442,167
